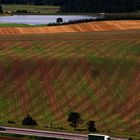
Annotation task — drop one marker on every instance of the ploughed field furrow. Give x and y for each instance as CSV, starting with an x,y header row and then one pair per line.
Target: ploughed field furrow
x,y
83,27
48,79
31,87
128,49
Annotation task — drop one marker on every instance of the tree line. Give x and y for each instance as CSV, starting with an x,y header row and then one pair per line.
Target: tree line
x,y
85,6
107,6
34,2
74,119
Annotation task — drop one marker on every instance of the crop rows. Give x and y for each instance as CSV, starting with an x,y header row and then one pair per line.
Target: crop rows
x,y
48,79
82,27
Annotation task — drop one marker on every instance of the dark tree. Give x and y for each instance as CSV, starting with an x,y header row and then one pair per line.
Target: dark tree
x,y
28,120
1,9
75,119
91,126
11,122
59,20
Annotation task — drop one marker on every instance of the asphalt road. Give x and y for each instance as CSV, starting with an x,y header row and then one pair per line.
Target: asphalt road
x,y
50,134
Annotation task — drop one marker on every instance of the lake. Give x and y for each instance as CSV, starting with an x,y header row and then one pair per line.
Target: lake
x,y
40,19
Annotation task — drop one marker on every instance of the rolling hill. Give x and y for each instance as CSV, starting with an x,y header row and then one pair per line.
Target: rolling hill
x,y
83,27
50,75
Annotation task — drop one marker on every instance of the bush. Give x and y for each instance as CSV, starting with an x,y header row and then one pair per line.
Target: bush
x,y
11,122
21,11
91,126
1,9
59,20
28,120
75,119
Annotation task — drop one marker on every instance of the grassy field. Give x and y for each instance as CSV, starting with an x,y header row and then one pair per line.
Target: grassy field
x,y
48,76
35,9
19,25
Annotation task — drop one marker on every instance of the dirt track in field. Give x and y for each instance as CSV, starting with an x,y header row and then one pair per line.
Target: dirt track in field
x,y
83,27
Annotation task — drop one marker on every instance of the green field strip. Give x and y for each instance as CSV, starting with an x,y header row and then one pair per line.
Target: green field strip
x,y
36,9
5,61
92,97
82,47
3,109
109,123
73,82
68,86
129,47
6,89
123,46
39,104
52,95
112,48
61,50
106,46
39,49
137,116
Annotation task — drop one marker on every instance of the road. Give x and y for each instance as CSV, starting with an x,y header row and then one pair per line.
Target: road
x,y
50,134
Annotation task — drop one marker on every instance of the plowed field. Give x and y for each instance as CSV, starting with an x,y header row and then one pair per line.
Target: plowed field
x,y
48,76
84,27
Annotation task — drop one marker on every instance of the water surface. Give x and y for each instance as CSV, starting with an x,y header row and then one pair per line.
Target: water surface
x,y
40,19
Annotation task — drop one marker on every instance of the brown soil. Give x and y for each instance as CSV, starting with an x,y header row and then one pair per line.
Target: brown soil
x,y
83,27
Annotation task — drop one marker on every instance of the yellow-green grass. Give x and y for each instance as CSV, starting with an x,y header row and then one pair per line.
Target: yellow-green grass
x,y
20,25
38,9
48,76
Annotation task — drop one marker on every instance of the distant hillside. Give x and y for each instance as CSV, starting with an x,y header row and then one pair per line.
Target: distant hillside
x,y
85,6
